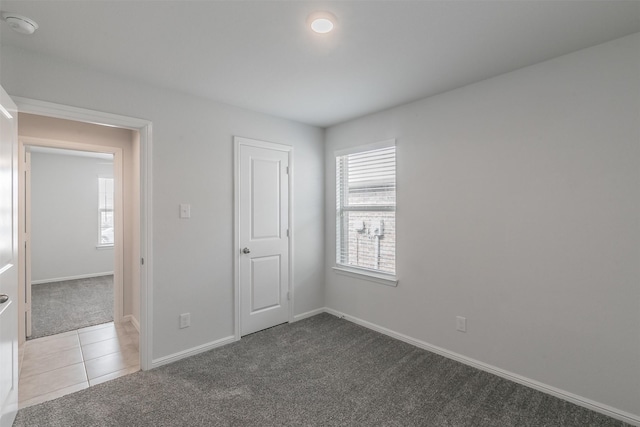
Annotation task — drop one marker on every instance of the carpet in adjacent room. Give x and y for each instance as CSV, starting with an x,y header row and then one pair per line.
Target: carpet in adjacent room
x,y
59,307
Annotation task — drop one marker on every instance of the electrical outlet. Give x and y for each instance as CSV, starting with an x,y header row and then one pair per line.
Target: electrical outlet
x,y
461,324
185,320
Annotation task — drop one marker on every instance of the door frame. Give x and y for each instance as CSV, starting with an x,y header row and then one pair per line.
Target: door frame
x,y
239,141
25,215
8,268
145,234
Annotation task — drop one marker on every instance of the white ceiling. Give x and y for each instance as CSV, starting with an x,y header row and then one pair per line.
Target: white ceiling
x,y
260,55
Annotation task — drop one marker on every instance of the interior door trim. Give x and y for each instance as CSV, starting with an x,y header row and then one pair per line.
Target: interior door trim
x,y
118,174
144,127
239,141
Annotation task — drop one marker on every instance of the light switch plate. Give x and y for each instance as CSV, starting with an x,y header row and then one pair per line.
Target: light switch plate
x,y
461,324
185,320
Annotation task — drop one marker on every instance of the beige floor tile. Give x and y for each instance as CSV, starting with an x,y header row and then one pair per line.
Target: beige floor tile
x,y
110,363
47,382
102,348
37,348
53,337
132,333
130,329
44,352
53,395
131,353
114,375
53,366
48,362
95,327
99,335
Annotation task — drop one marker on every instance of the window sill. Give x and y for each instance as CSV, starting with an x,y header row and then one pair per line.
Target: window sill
x,y
102,247
371,276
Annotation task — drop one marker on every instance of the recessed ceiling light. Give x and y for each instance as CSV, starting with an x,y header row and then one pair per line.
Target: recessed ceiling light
x,y
20,24
322,22
321,25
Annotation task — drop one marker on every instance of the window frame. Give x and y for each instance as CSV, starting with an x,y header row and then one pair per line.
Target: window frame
x,y
99,244
351,270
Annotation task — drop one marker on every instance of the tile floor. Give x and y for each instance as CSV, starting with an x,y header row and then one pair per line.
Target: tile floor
x,y
61,364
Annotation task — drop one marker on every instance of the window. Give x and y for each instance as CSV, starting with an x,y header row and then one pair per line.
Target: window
x,y
366,210
105,211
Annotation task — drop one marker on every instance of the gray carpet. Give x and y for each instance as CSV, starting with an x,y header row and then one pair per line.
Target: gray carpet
x,y
322,371
73,304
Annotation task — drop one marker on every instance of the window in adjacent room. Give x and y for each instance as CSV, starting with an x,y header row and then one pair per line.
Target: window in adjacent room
x,y
366,210
105,211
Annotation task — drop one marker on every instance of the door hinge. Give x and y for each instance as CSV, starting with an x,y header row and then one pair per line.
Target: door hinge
x,y
287,170
288,296
287,232
142,261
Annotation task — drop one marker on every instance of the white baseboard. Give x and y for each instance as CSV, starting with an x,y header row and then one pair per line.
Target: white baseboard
x,y
62,279
536,385
209,346
191,351
309,314
133,320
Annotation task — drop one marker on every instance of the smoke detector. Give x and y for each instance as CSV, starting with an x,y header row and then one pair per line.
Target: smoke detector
x,y
20,24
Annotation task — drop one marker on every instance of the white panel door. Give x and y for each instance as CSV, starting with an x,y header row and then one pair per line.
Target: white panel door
x,y
263,222
8,260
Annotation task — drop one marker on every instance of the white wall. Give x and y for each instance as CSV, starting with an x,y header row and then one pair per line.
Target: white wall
x,y
518,208
192,163
64,218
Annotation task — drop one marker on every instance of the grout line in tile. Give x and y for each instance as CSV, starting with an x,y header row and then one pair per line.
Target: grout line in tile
x,y
84,364
94,328
114,375
52,361
51,337
55,381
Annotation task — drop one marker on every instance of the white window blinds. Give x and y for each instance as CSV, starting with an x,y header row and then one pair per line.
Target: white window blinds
x,y
365,209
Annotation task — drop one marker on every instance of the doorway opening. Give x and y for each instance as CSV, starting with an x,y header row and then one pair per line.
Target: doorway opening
x,y
107,262
70,238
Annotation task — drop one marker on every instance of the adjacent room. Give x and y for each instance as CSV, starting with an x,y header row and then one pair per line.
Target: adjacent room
x,y
335,213
71,201
77,202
